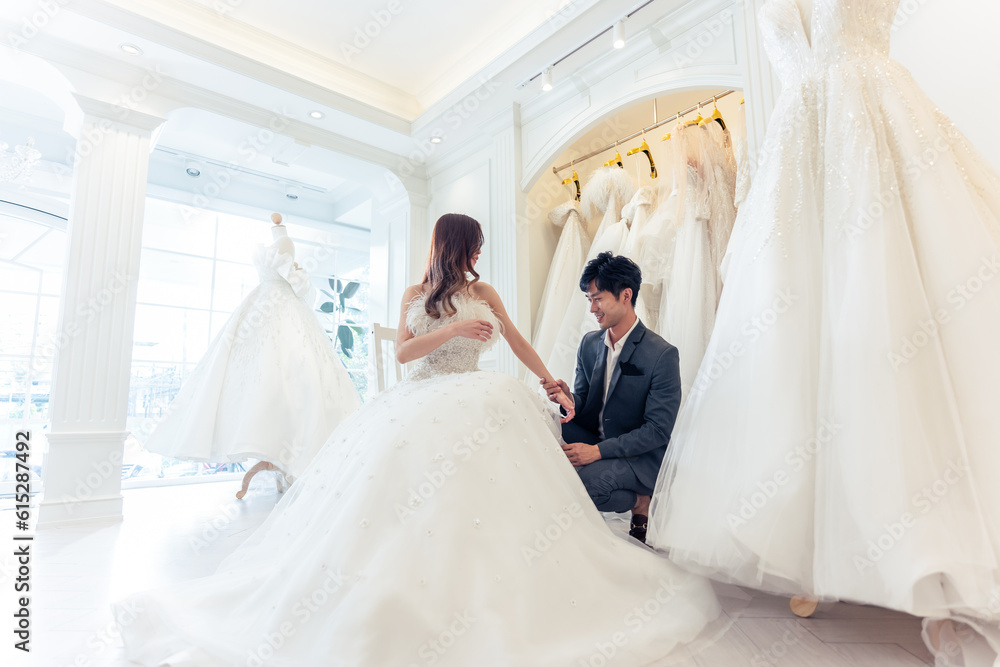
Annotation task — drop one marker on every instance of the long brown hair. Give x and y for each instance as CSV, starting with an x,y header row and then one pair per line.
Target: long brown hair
x,y
456,239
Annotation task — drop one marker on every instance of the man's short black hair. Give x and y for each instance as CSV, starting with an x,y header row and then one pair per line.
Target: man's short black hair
x,y
612,273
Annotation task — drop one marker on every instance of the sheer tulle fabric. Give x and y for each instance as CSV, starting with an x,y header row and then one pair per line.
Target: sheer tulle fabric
x,y
441,523
604,195
562,290
841,436
270,385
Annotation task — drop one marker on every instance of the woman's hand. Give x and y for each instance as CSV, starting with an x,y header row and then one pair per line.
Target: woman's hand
x,y
567,404
474,329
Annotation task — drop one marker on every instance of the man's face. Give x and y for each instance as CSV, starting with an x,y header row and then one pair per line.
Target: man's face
x,y
608,310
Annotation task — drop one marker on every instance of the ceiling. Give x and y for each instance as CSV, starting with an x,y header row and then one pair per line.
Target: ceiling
x,y
425,48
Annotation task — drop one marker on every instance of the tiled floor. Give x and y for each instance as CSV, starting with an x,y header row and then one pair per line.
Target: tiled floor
x,y
176,533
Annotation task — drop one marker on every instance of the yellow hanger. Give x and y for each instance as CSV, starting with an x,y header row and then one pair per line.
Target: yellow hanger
x,y
617,159
696,120
742,100
575,180
644,148
666,137
716,116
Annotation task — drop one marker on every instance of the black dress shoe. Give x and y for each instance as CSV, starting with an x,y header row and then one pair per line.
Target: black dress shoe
x,y
640,523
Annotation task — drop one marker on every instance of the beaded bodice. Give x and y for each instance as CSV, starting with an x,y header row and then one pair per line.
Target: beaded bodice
x,y
458,355
840,30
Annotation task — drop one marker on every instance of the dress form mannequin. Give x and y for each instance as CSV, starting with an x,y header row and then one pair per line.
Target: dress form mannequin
x,y
280,235
284,244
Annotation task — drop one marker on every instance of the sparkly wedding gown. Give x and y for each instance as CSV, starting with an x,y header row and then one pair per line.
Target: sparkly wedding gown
x,y
843,436
270,386
442,524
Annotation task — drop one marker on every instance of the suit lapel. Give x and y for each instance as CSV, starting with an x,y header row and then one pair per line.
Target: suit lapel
x,y
596,393
626,354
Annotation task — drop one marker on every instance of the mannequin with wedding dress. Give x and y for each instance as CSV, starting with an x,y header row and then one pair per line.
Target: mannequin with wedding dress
x,y
270,387
846,449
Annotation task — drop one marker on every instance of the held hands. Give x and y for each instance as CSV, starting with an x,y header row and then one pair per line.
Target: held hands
x,y
559,393
474,329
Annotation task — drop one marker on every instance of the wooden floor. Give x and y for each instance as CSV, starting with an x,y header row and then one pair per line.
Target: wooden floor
x,y
175,533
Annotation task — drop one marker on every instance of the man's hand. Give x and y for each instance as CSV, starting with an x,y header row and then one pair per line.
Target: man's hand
x,y
580,453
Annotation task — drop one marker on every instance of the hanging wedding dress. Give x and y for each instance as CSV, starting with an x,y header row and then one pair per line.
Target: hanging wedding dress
x,y
442,524
603,197
741,154
687,308
719,169
841,437
270,386
562,288
638,247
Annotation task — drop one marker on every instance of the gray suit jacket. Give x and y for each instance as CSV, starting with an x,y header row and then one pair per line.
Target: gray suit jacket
x,y
643,398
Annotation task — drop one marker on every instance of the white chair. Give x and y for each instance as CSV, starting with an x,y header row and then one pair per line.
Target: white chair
x,y
385,375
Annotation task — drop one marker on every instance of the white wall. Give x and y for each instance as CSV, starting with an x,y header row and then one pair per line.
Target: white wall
x,y
951,47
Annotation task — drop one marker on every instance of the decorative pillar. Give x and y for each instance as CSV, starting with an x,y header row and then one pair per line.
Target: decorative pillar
x,y
82,469
400,241
762,85
508,233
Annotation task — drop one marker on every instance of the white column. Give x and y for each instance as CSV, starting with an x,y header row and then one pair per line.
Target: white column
x,y
82,469
400,240
762,85
508,231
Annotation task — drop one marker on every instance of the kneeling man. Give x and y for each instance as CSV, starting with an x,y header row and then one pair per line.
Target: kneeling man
x,y
627,392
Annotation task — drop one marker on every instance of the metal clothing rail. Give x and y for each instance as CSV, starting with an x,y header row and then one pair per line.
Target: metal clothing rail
x,y
710,100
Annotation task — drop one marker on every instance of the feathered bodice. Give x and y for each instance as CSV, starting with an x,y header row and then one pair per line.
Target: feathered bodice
x,y
460,354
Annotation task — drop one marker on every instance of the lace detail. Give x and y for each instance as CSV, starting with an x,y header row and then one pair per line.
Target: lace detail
x,y
458,355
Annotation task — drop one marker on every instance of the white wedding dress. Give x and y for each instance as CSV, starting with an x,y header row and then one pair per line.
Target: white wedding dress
x,y
607,191
687,306
442,524
643,239
562,287
270,386
842,436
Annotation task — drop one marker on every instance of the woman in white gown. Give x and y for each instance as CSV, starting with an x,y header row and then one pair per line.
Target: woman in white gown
x,y
270,386
442,523
841,438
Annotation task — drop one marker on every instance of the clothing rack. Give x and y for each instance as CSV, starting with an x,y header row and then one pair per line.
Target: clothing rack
x,y
710,100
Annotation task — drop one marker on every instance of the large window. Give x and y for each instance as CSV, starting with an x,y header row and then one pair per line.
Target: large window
x,y
32,253
195,270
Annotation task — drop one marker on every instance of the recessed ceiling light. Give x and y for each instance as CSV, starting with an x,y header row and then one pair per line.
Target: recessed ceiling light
x,y
292,193
436,139
131,49
193,169
317,114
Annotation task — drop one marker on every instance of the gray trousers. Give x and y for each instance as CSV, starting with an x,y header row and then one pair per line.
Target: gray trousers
x,y
611,483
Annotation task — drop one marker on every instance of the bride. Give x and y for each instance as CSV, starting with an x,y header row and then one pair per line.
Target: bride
x,y
440,524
